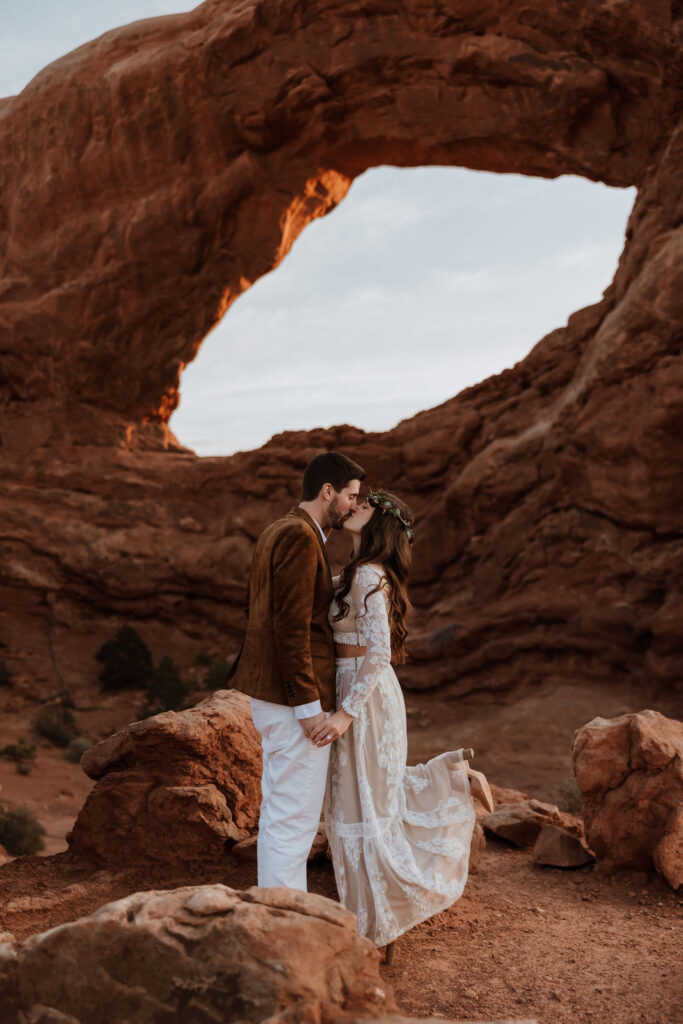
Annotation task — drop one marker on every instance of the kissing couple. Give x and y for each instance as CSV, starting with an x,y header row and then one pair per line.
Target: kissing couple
x,y
317,665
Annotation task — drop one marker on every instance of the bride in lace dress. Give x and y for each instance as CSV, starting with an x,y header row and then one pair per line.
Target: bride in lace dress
x,y
399,836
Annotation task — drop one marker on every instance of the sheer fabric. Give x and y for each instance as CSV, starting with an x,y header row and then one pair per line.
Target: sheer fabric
x,y
399,836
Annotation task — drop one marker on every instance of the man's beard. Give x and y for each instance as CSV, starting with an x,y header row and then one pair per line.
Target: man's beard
x,y
337,518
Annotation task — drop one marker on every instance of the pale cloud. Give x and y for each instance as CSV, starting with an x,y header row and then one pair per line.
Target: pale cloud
x,y
345,331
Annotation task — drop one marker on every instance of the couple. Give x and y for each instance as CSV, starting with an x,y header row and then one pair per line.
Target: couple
x,y
316,663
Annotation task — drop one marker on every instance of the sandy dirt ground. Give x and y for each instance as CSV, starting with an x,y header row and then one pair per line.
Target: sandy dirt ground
x,y
523,941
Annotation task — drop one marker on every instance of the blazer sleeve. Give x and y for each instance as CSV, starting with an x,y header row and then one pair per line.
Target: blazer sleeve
x,y
294,569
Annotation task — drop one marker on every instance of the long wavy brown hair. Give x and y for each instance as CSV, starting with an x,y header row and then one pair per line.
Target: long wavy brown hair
x,y
384,540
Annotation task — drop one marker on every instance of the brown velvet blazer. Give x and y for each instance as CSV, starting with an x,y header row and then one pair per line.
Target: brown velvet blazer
x,y
288,652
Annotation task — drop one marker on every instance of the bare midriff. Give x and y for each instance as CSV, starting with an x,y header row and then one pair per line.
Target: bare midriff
x,y
349,651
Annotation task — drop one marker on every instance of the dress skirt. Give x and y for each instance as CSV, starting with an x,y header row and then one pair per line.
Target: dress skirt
x,y
399,836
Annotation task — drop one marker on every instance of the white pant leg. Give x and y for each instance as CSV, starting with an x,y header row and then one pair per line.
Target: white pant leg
x,y
292,789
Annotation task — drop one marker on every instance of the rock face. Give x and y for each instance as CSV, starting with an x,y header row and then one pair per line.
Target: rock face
x,y
175,788
151,176
197,953
630,773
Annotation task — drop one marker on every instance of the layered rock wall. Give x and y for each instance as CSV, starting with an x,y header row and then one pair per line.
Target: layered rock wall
x,y
152,175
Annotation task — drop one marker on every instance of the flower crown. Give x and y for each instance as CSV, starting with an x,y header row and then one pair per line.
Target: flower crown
x,y
377,500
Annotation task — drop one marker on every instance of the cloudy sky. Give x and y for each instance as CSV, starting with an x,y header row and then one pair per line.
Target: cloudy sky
x,y
421,283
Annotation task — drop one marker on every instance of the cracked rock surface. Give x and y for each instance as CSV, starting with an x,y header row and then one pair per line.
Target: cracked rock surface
x,y
196,953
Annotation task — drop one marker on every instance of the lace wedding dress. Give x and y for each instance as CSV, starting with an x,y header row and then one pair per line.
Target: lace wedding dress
x,y
399,836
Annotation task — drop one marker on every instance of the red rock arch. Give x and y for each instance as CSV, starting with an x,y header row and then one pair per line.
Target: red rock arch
x,y
152,175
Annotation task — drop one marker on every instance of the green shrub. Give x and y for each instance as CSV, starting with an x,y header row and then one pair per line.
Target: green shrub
x,y
568,796
166,690
56,724
126,661
5,675
20,831
77,748
21,751
217,675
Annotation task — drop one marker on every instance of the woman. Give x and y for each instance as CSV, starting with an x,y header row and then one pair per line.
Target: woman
x,y
399,836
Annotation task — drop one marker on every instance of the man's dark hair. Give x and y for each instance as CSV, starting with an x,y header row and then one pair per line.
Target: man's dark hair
x,y
329,468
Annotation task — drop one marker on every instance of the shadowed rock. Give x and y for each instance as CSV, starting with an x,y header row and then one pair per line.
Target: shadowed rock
x,y
560,849
520,823
630,773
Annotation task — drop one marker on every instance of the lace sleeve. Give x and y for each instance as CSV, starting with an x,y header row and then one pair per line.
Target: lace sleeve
x,y
373,620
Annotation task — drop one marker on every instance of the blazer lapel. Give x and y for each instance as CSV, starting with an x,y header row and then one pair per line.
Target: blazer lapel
x,y
299,512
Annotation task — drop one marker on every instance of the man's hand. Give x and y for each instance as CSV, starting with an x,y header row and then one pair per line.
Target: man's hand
x,y
309,724
331,729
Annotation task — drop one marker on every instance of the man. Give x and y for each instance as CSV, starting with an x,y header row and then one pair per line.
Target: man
x,y
287,664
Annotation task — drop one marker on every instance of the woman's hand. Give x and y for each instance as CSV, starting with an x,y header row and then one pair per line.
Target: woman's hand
x,y
331,729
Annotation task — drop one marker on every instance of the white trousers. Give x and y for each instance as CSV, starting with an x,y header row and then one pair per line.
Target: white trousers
x,y
292,791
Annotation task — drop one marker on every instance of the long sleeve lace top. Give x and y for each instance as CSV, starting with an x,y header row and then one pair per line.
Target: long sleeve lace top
x,y
366,624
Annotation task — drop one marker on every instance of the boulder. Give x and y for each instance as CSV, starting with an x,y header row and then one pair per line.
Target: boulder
x,y
179,787
206,953
560,849
520,823
630,773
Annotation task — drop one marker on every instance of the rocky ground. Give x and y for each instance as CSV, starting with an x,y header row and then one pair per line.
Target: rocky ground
x,y
523,941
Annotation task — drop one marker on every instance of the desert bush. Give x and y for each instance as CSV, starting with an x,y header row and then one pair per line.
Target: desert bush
x,y
21,751
24,767
57,724
568,796
20,831
203,658
77,748
5,675
126,661
217,674
167,689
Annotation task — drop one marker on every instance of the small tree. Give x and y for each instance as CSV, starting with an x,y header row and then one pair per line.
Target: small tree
x,y
78,746
57,724
20,831
5,675
166,690
126,661
21,751
217,674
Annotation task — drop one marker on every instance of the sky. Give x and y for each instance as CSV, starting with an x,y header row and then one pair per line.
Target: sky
x,y
422,282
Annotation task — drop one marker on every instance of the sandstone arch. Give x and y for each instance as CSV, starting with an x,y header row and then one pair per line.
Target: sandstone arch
x,y
152,175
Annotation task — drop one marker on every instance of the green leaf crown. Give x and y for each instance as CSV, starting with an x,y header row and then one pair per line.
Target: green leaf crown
x,y
378,500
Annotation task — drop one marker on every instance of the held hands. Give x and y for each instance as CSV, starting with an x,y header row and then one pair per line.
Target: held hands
x,y
330,728
310,724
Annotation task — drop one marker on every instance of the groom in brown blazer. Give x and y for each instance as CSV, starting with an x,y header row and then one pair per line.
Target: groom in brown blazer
x,y
287,664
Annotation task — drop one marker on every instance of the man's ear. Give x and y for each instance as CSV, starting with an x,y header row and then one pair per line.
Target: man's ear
x,y
327,492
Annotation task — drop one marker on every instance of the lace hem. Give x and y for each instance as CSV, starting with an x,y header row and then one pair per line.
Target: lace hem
x,y
354,639
443,818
